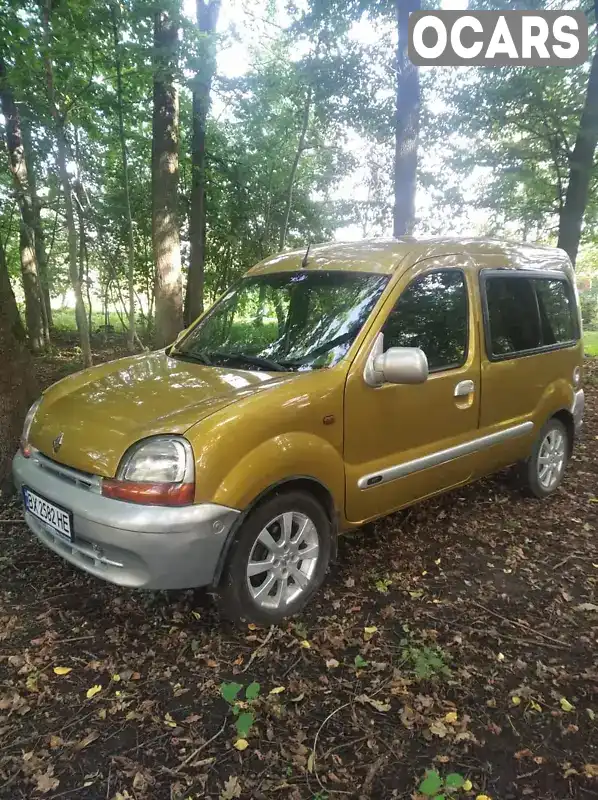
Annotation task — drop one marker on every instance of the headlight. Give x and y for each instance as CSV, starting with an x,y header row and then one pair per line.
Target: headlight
x,y
156,471
30,416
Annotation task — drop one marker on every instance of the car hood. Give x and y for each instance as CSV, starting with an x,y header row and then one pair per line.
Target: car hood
x,y
102,411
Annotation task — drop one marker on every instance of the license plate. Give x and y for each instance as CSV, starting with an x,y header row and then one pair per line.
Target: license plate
x,y
51,515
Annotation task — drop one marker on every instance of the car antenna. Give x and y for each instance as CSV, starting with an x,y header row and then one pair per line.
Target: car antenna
x,y
304,259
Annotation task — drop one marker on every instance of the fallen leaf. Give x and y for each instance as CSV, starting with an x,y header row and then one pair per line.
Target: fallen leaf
x,y
87,740
451,717
587,607
93,691
467,785
62,670
241,744
44,780
438,728
566,705
332,663
305,644
515,700
232,788
116,677
377,704
483,797
535,706
277,690
591,770
196,614
368,632
310,762
168,720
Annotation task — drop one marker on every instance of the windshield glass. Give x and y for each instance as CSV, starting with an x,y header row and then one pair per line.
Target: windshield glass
x,y
285,321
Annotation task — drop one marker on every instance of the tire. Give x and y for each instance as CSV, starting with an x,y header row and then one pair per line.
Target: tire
x,y
542,473
293,580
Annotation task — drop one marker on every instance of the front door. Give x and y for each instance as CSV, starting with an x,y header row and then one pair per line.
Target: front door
x,y
402,442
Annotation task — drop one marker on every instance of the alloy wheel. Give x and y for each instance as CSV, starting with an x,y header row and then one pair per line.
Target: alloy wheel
x,y
283,560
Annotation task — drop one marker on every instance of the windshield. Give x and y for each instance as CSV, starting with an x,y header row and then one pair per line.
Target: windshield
x,y
285,321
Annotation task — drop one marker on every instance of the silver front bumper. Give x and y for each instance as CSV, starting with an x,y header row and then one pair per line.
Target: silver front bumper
x,y
577,409
149,547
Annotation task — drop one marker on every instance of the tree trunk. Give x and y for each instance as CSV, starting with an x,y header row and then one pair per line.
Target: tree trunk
x,y
38,229
300,148
62,147
406,126
581,165
35,316
165,174
207,17
125,171
17,383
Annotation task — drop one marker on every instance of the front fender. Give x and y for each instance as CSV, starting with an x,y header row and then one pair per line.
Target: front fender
x,y
279,458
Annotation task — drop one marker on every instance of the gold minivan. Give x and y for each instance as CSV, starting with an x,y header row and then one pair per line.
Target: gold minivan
x,y
324,390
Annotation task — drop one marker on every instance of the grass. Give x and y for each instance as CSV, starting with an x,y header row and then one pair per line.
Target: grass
x,y
590,340
64,320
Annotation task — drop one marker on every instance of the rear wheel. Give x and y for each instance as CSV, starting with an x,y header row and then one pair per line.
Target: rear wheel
x,y
278,561
543,472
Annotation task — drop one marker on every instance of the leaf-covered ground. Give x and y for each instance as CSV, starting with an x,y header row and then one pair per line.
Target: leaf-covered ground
x,y
457,637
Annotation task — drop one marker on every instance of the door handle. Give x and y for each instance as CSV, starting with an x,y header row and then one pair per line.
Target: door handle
x,y
464,388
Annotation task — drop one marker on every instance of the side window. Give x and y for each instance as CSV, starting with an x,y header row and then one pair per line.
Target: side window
x,y
527,313
557,311
512,315
431,313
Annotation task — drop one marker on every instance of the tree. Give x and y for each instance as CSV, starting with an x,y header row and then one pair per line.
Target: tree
x,y
125,176
165,176
406,125
581,163
60,120
207,17
17,383
35,309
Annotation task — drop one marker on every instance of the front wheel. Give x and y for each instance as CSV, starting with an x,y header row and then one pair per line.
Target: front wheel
x,y
543,472
278,561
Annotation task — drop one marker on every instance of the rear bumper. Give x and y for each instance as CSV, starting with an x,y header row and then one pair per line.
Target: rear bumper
x,y
577,409
148,547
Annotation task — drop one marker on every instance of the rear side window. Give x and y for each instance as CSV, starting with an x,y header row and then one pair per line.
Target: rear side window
x,y
527,313
557,314
431,313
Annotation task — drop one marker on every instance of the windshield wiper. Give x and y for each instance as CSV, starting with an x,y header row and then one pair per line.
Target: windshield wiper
x,y
255,361
194,358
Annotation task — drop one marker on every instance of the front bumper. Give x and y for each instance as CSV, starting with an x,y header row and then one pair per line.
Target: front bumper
x,y
148,547
577,410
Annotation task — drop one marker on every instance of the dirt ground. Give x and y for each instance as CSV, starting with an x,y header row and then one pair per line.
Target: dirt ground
x,y
458,637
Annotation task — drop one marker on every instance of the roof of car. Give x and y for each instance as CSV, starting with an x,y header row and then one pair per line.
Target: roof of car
x,y
385,255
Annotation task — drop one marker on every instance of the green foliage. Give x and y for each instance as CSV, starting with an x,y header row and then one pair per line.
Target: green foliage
x,y
425,662
435,786
360,662
589,310
231,693
590,343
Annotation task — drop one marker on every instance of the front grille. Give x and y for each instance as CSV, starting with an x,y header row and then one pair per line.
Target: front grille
x,y
82,480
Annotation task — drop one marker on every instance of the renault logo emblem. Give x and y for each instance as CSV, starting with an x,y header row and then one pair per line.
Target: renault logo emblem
x,y
57,443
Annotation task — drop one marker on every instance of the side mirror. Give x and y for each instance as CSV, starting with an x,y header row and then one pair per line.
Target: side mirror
x,y
404,365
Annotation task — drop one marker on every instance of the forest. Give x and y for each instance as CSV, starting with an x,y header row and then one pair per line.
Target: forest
x,y
150,153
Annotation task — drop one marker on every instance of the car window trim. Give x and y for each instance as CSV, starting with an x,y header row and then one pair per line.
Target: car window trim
x,y
434,271
504,272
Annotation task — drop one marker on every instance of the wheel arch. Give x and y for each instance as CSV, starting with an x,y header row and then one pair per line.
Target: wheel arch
x,y
565,416
305,483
